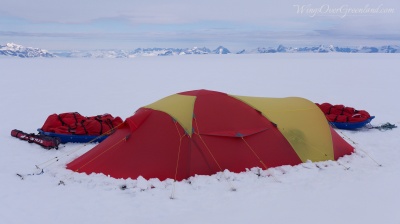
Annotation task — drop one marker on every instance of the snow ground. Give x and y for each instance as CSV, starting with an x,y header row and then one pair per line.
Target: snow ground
x,y
310,193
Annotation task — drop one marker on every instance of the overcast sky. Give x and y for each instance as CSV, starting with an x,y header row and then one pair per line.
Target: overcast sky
x,y
235,24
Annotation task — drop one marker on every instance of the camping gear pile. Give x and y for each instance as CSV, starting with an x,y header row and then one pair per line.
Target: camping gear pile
x,y
75,123
342,117
203,132
71,127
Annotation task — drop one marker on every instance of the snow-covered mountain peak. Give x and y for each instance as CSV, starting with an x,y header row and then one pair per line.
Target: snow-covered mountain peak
x,y
16,50
221,50
13,46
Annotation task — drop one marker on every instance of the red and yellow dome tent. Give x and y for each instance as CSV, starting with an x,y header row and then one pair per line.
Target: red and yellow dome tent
x,y
202,132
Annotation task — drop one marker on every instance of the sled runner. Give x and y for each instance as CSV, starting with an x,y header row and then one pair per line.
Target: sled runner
x,y
351,125
64,138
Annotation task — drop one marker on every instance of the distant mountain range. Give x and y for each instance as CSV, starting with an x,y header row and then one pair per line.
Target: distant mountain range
x,y
15,50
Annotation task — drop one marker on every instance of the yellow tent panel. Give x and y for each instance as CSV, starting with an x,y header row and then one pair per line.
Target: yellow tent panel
x,y
180,107
300,121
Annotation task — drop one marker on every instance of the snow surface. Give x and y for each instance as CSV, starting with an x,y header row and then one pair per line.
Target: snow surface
x,y
323,192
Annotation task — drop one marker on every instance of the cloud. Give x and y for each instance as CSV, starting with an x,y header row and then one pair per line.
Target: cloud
x,y
252,22
172,11
263,13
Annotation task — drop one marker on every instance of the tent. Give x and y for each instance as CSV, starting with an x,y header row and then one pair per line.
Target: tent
x,y
202,132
